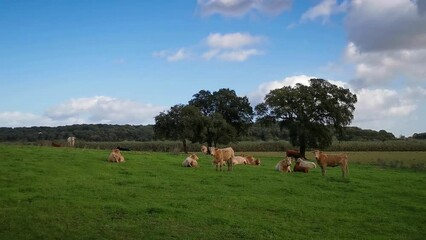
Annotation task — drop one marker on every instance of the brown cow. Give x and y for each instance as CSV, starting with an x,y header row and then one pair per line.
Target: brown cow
x,y
294,154
190,161
332,160
252,161
299,168
221,156
115,156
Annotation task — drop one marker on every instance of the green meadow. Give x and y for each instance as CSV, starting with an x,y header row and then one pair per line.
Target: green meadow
x,y
71,193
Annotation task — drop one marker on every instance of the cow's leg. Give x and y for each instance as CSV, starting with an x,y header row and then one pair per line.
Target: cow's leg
x,y
344,167
323,170
230,165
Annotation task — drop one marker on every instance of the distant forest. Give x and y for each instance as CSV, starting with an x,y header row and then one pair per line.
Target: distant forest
x,y
143,133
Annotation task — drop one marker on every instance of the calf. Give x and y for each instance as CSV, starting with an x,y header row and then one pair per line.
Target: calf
x,y
71,141
252,161
115,156
284,165
190,161
299,168
329,160
306,164
239,160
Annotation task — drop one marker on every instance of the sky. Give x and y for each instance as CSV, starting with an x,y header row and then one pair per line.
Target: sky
x,y
65,62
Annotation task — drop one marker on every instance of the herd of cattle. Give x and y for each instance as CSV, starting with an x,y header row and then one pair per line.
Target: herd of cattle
x,y
222,156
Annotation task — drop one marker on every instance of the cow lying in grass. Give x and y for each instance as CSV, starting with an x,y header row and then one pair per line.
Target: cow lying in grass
x,y
332,160
221,156
252,161
307,164
284,165
239,160
299,168
115,156
191,161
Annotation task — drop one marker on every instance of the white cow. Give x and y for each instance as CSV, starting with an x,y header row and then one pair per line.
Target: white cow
x,y
71,141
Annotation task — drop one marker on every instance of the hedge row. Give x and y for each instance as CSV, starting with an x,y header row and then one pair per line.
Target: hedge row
x,y
261,146
172,146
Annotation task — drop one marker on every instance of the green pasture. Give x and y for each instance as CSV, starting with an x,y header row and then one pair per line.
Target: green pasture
x,y
67,193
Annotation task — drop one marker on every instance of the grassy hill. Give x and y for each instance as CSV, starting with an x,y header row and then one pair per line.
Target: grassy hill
x,y
66,193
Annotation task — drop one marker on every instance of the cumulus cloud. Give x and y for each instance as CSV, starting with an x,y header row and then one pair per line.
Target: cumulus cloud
x,y
232,46
398,25
98,109
386,39
393,110
324,10
381,68
236,47
421,7
232,40
173,56
389,44
237,8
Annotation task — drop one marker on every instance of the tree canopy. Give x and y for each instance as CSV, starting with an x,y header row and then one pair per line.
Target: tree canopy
x,y
181,122
227,116
218,117
310,113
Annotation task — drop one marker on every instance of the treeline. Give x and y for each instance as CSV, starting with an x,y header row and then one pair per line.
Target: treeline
x,y
145,133
84,132
258,146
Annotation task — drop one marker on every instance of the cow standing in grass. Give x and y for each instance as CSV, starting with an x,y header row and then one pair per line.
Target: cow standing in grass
x,y
332,160
222,156
71,141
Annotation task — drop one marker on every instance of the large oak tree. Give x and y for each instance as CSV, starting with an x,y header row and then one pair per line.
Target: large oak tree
x,y
227,116
310,113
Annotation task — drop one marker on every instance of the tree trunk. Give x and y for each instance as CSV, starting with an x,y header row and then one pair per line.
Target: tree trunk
x,y
209,144
302,141
185,147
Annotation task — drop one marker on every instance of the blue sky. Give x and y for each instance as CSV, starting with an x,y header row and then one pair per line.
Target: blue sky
x,y
122,62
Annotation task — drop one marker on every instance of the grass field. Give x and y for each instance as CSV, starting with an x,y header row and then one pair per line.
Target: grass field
x,y
65,193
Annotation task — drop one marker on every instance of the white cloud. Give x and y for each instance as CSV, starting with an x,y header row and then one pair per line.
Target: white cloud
x,y
324,10
232,40
237,8
387,45
237,47
179,55
386,25
174,56
232,46
238,55
98,109
264,88
384,67
387,39
392,110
